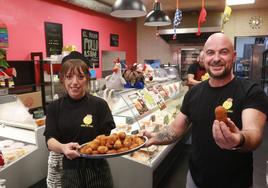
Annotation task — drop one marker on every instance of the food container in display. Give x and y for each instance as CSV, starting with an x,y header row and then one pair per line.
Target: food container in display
x,y
172,72
160,74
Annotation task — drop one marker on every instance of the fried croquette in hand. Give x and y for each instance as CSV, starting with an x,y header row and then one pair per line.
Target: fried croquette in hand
x,y
221,114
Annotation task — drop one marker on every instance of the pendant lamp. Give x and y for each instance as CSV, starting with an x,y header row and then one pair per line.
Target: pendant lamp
x,y
157,17
128,9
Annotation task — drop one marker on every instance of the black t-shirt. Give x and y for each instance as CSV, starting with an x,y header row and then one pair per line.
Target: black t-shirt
x,y
79,121
196,70
211,166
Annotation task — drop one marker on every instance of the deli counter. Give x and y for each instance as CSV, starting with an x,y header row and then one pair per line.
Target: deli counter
x,y
22,145
151,108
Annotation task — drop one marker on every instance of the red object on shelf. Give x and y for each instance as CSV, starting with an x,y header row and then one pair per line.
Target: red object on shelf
x,y
2,162
8,73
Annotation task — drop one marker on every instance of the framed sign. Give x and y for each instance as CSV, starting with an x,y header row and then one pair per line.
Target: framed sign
x,y
114,40
53,32
90,47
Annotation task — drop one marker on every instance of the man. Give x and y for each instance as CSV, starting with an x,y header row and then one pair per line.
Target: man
x,y
196,71
221,152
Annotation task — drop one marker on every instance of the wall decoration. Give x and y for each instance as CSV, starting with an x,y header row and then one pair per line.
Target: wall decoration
x,y
3,35
255,22
6,72
90,47
114,40
53,32
226,16
177,19
202,18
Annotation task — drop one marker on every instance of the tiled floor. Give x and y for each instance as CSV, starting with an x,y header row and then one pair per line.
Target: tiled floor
x,y
177,176
260,158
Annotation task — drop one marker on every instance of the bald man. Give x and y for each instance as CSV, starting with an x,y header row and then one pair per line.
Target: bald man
x,y
221,154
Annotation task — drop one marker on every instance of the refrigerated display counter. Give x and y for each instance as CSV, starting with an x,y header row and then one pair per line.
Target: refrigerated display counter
x,y
151,108
22,145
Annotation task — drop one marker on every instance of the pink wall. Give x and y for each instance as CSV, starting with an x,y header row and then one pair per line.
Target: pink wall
x,y
25,22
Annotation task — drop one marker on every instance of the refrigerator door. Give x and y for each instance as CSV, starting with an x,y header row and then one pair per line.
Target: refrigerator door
x,y
257,56
264,79
250,66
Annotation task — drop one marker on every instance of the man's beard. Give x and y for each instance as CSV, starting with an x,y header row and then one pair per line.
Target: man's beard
x,y
224,74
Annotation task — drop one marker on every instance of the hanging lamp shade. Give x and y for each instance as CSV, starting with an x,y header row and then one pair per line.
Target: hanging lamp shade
x,y
128,9
157,17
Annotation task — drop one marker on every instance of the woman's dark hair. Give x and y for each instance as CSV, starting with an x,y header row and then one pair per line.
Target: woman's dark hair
x,y
74,65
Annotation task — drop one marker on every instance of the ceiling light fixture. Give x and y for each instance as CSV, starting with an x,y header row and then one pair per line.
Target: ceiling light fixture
x,y
128,9
239,2
157,17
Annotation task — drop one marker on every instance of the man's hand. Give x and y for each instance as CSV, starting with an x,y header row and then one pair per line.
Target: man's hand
x,y
226,136
150,136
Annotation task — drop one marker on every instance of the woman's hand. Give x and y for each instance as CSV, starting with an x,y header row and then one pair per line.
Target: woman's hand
x,y
70,150
226,136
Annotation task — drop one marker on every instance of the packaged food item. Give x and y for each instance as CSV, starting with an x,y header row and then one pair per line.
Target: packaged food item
x,y
141,155
5,143
40,122
123,127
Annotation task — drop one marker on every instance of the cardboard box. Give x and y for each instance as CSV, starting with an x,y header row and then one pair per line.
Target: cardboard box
x,y
31,100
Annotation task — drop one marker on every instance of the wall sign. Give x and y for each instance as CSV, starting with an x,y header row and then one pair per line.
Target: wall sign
x,y
114,40
53,33
90,47
3,35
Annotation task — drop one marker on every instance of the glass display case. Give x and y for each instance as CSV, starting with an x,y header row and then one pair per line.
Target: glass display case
x,y
22,145
151,108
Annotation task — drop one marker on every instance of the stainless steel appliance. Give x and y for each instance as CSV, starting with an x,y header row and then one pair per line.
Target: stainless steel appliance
x,y
250,65
264,75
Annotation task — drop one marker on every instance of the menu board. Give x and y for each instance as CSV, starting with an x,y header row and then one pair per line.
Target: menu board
x,y
53,32
114,40
138,103
90,47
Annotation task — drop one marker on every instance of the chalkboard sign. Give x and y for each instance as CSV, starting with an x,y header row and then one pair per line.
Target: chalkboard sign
x,y
114,40
90,46
53,33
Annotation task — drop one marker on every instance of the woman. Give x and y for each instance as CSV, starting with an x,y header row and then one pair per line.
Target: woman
x,y
77,118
